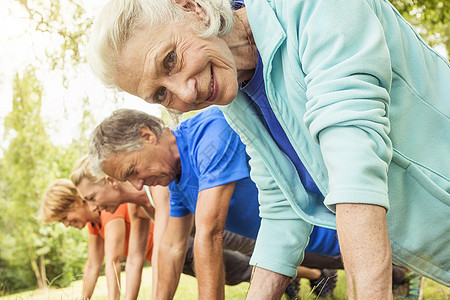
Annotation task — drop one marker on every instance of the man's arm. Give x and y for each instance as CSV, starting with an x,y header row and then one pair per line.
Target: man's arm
x,y
93,265
161,198
137,246
114,253
364,242
210,218
172,253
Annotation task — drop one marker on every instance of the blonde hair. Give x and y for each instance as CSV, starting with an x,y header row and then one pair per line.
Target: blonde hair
x,y
82,170
60,197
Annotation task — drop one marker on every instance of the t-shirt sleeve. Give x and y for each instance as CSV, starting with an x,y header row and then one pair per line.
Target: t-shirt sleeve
x,y
92,230
121,212
219,156
177,208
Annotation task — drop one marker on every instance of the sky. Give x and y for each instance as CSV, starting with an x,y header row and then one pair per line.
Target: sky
x,y
61,107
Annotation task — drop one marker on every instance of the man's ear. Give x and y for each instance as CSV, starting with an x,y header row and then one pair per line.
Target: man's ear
x,y
147,135
191,6
113,182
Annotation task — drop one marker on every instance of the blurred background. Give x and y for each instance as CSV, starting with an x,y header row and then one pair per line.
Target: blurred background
x,y
49,103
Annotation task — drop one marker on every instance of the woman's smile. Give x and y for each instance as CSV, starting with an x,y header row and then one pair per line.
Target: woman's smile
x,y
178,69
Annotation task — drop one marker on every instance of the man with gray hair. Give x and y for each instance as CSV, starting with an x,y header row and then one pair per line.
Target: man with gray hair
x,y
205,165
133,146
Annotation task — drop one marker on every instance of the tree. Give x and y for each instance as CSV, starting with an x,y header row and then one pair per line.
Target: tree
x,y
65,22
34,254
25,149
29,164
430,17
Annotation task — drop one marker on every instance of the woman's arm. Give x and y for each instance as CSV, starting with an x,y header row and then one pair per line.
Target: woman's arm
x,y
136,250
161,198
347,114
93,265
114,253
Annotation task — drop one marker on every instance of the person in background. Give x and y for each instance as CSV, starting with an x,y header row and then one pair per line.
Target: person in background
x,y
345,117
205,166
105,193
109,238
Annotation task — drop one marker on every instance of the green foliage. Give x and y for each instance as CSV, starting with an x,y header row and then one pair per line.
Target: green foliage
x,y
32,253
67,23
172,117
65,254
431,17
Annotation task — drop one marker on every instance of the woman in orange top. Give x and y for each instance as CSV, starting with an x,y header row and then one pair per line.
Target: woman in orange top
x,y
109,237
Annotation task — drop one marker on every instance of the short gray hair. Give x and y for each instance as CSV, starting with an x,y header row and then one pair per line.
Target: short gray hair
x,y
120,19
120,132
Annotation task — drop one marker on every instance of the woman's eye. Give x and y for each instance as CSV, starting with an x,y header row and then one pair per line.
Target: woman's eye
x,y
170,60
160,95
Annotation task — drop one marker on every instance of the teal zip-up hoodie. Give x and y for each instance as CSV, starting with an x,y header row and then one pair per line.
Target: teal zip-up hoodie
x,y
366,104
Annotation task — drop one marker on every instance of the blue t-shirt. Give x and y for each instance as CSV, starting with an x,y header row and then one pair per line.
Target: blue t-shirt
x,y
255,89
211,155
322,240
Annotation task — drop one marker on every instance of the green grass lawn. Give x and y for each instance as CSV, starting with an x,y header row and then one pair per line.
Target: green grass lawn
x,y
188,290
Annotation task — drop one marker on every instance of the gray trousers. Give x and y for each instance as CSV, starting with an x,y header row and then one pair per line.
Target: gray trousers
x,y
237,252
236,264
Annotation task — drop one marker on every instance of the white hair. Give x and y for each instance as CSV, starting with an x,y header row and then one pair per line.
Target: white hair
x,y
120,19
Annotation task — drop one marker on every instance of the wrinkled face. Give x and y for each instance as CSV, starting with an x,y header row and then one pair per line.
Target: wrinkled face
x,y
99,196
151,165
176,68
77,217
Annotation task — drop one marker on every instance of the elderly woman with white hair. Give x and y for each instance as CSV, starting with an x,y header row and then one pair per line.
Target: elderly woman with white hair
x,y
343,108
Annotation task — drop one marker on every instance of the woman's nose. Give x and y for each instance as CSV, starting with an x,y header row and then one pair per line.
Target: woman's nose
x,y
184,90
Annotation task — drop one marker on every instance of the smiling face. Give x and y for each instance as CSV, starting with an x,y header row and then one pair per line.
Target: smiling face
x,y
151,165
100,196
176,68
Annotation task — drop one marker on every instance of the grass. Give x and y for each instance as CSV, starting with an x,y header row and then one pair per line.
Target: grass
x,y
187,290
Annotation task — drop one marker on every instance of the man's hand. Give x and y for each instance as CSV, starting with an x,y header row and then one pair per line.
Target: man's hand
x,y
171,256
161,198
366,250
210,218
137,246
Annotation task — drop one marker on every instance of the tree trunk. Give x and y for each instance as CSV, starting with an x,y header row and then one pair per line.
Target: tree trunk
x,y
41,280
42,267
